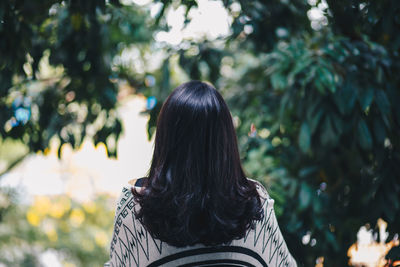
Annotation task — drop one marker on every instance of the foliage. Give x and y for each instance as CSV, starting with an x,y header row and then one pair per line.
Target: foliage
x,y
333,129
77,233
11,153
324,102
57,75
321,93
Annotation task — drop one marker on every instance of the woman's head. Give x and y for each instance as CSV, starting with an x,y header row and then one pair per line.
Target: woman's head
x,y
197,191
195,138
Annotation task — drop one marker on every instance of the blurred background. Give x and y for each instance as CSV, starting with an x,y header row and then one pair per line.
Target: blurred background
x,y
313,87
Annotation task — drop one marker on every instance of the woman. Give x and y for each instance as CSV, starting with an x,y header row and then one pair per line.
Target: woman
x,y
196,208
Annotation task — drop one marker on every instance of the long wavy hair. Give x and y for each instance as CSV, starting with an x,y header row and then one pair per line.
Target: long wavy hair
x,y
196,191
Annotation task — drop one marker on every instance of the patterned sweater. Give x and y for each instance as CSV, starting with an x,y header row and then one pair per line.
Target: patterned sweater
x,y
132,245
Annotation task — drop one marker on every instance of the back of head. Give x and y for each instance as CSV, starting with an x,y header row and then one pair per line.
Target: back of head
x,y
197,191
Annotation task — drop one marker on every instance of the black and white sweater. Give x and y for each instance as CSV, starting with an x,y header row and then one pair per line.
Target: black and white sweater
x,y
132,245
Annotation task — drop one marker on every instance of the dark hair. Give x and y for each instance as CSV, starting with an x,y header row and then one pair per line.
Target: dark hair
x,y
196,191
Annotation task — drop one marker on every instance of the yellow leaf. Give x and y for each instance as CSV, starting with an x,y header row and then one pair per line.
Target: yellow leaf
x,y
101,239
77,217
33,218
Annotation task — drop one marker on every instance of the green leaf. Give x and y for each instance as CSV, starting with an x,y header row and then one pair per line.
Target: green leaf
x,y
345,98
379,130
338,123
314,121
305,137
285,100
278,81
328,136
165,81
304,196
365,96
382,101
307,171
318,84
364,135
383,105
328,79
317,206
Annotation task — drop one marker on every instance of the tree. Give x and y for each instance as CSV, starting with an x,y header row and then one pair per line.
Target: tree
x,y
322,95
57,75
59,78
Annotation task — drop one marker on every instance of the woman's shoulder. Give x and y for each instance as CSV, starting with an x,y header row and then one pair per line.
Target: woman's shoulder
x,y
262,191
126,197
